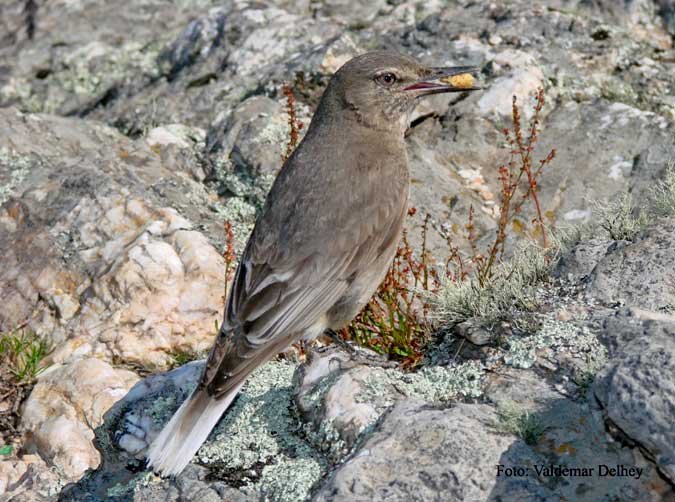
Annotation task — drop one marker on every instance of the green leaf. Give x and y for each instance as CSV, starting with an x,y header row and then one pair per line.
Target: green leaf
x,y
6,450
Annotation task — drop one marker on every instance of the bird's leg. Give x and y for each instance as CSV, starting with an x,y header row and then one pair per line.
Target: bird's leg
x,y
359,355
339,341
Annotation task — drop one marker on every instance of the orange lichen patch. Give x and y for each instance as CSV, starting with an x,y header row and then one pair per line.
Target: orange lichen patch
x,y
565,448
15,211
461,81
67,283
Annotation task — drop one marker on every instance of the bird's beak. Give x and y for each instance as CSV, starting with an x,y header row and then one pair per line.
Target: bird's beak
x,y
453,79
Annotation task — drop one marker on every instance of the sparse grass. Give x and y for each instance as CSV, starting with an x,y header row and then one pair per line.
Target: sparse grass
x,y
522,423
663,194
21,361
623,219
22,352
181,357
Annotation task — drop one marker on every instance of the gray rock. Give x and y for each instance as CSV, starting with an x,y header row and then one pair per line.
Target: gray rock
x,y
637,393
350,13
422,453
475,331
571,435
640,274
577,264
341,399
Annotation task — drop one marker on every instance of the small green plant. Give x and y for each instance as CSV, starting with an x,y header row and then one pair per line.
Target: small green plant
x,y
513,419
663,194
22,355
181,357
621,219
22,352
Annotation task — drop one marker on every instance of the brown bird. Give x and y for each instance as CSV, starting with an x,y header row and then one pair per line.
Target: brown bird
x,y
322,245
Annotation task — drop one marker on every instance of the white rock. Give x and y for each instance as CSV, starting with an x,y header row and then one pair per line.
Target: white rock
x,y
66,405
175,134
521,82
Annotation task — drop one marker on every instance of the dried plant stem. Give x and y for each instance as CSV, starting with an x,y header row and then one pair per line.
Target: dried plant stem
x,y
294,124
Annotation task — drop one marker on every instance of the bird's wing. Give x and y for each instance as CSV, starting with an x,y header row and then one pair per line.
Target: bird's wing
x,y
295,269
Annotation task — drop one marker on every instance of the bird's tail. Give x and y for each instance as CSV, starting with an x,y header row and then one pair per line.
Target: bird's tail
x,y
189,427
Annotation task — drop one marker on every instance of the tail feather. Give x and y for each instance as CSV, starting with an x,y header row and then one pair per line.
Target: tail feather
x,y
189,427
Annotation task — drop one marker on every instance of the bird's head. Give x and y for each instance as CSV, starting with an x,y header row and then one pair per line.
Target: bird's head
x,y
382,87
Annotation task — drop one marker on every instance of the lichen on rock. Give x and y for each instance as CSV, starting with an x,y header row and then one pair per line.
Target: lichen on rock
x,y
579,343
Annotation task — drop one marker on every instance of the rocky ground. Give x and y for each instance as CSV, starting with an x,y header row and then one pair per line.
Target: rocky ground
x,y
128,135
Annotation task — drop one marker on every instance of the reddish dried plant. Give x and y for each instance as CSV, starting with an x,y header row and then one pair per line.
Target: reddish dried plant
x,y
294,123
519,183
230,257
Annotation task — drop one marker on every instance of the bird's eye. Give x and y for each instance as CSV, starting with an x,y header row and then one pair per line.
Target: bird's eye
x,y
386,79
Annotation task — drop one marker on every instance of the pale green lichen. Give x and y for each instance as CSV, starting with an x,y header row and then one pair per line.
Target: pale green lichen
x,y
522,353
126,490
435,384
589,354
247,199
241,215
87,68
510,288
379,389
158,412
615,90
621,218
289,481
87,72
14,167
276,132
663,193
20,90
261,430
327,439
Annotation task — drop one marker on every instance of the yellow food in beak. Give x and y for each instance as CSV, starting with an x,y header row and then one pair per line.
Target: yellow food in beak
x,y
461,81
